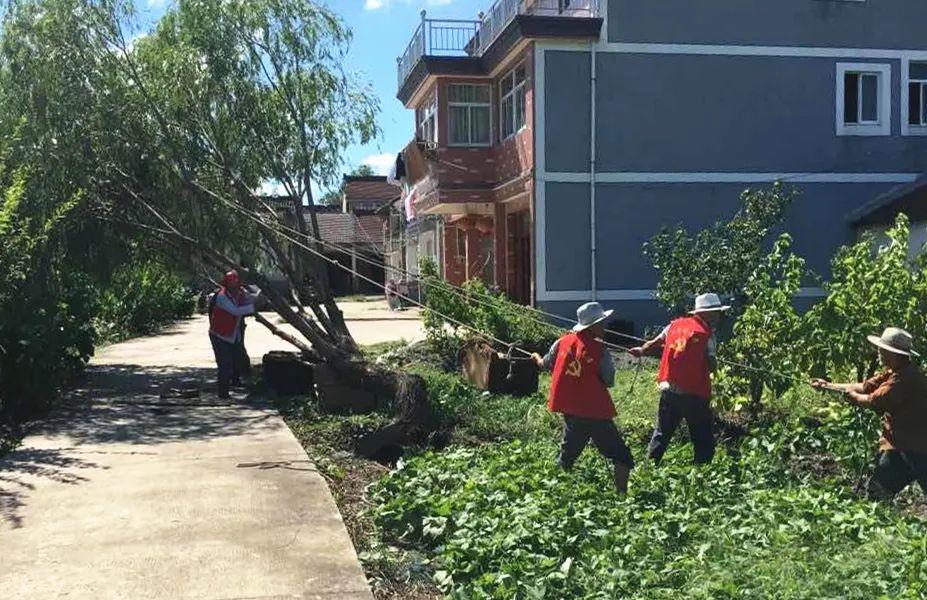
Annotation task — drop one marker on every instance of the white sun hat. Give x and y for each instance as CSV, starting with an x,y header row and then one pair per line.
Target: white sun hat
x,y
709,303
590,314
895,340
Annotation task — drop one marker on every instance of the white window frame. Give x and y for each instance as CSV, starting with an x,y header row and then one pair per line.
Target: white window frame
x,y
881,127
469,106
513,95
906,127
429,110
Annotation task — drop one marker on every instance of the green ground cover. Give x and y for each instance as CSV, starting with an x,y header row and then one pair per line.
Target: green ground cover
x,y
775,515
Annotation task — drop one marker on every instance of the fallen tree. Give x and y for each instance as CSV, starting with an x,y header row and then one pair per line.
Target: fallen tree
x,y
187,122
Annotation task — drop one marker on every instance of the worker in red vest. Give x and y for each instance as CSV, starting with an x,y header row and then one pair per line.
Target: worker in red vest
x,y
686,364
227,309
583,370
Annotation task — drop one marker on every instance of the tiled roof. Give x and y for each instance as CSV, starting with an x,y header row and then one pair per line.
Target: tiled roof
x,y
369,189
345,228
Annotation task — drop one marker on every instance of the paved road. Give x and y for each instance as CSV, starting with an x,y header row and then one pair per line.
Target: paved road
x,y
131,496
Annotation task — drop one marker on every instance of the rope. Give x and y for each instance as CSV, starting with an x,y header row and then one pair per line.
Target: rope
x,y
468,295
472,297
373,282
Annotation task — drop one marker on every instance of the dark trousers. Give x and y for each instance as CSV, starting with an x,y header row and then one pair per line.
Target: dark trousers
x,y
675,407
894,471
242,365
226,355
577,431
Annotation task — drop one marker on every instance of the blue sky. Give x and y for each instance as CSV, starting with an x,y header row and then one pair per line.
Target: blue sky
x,y
382,29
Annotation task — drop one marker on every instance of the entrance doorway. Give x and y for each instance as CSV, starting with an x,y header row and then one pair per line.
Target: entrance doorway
x,y
518,256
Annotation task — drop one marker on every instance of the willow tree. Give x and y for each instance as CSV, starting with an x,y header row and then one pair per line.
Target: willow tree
x,y
192,117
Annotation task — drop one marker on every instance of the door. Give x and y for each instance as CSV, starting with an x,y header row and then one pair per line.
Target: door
x,y
518,271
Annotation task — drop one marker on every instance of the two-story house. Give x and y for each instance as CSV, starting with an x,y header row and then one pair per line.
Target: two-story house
x,y
631,115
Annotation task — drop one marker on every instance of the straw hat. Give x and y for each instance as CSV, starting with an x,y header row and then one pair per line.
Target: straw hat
x,y
895,340
708,303
590,314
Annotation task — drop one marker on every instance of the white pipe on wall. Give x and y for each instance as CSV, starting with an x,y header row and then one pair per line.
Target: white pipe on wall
x,y
592,166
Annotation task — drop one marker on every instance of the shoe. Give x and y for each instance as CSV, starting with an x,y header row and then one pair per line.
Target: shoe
x,y
622,474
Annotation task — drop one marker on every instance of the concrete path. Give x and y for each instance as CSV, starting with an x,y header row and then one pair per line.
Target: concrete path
x,y
131,496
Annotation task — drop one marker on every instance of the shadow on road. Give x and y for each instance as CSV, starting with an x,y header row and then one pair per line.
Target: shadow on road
x,y
124,404
20,470
126,381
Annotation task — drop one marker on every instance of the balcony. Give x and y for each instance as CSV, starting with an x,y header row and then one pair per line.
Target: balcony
x,y
451,38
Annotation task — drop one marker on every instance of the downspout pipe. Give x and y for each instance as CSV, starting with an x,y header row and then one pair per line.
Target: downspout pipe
x,y
592,167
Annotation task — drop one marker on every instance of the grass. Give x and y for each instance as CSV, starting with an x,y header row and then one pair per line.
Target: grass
x,y
491,516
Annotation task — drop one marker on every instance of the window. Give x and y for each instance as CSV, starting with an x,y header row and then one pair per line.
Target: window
x,y
425,120
468,109
863,99
461,244
512,102
917,96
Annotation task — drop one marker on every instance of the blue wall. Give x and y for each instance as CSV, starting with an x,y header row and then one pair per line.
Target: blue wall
x,y
897,24
688,113
569,241
567,110
627,215
709,114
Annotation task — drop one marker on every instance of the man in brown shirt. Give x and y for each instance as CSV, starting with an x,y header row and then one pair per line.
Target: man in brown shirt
x,y
899,394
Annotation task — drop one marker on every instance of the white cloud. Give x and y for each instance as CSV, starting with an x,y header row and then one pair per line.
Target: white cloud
x,y
272,188
157,3
378,4
380,163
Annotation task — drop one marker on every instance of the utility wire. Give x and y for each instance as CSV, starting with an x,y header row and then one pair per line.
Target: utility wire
x,y
470,296
372,281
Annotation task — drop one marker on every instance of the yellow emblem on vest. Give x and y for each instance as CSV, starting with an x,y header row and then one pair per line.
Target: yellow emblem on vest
x,y
574,368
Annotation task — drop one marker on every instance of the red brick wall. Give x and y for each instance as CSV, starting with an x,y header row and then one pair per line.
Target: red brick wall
x,y
497,173
461,266
515,155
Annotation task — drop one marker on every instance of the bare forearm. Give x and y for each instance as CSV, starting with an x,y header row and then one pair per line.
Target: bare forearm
x,y
653,346
856,388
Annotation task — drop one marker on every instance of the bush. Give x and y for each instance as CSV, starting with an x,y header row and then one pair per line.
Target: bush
x,y
720,258
767,336
141,298
870,289
45,308
479,310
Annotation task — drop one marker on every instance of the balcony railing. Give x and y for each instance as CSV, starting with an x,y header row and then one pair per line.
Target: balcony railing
x,y
450,37
439,38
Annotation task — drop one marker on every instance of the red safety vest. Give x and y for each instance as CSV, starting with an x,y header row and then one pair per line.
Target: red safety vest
x,y
576,388
684,363
222,322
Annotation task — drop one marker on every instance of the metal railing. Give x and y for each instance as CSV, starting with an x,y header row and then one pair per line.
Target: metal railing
x,y
451,37
502,12
433,37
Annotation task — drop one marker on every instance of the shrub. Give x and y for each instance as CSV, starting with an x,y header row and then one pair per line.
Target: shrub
x,y
869,290
141,298
720,258
45,307
479,310
767,336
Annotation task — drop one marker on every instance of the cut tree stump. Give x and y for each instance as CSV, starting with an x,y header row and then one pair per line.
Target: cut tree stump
x,y
485,369
336,396
287,373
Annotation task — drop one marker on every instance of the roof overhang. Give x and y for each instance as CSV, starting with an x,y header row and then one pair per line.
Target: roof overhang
x,y
908,198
